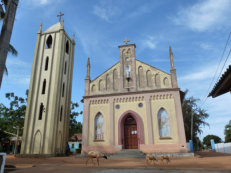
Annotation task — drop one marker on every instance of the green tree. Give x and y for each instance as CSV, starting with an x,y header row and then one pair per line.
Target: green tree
x,y
228,132
189,109
207,140
11,116
75,127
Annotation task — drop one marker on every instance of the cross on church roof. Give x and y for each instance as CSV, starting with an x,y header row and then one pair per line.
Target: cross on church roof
x,y
60,15
126,41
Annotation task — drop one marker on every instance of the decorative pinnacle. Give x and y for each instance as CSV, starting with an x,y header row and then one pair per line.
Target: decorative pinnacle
x,y
88,68
126,41
73,37
40,29
88,61
171,57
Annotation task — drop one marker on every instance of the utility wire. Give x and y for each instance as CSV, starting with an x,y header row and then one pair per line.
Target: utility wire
x,y
224,65
222,55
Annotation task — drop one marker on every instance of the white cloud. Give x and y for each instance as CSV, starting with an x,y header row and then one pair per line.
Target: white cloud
x,y
105,10
15,62
204,15
200,74
150,42
139,11
42,2
17,79
18,71
205,46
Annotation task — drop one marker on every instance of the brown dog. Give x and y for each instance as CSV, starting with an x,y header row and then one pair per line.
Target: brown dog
x,y
165,158
150,158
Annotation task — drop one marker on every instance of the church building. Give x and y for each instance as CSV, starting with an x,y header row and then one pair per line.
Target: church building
x,y
46,124
133,105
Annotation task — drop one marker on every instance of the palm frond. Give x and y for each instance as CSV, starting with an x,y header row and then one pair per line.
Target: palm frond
x,y
5,70
12,50
2,13
5,2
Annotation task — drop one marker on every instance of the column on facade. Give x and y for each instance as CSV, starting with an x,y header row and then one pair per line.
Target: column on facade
x,y
86,114
149,119
112,128
179,118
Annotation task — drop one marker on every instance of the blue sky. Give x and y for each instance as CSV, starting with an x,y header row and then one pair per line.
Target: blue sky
x,y
197,30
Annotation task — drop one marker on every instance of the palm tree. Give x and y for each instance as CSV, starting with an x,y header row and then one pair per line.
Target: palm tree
x,y
8,17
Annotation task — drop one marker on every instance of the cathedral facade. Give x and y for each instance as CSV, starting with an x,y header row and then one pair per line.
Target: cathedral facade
x,y
133,105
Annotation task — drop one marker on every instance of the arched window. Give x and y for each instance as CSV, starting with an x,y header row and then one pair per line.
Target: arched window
x,y
157,80
61,113
63,89
46,64
101,85
108,82
149,78
99,127
141,76
115,80
49,42
93,88
44,86
166,82
41,111
67,47
163,122
65,67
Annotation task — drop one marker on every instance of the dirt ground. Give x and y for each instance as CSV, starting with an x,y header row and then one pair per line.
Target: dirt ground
x,y
202,160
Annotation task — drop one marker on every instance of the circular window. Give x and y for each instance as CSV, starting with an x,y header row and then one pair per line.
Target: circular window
x,y
140,105
117,106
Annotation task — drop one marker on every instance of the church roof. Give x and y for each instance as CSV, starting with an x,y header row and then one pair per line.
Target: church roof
x,y
223,85
105,71
53,28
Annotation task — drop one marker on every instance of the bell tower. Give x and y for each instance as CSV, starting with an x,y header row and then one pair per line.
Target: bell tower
x,y
127,67
46,123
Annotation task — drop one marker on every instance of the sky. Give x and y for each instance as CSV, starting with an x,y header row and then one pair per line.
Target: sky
x,y
197,31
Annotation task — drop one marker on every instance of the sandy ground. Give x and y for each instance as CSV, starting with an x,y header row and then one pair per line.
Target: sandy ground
x,y
203,160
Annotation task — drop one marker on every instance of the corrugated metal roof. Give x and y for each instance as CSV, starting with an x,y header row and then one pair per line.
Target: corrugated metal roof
x,y
218,89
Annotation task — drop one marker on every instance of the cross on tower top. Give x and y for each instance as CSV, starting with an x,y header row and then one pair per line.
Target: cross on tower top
x,y
60,15
126,41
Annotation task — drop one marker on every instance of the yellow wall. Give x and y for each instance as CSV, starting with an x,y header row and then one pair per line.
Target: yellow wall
x,y
125,105
104,110
154,71
169,106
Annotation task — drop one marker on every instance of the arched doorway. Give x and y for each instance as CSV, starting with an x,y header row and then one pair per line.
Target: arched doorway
x,y
130,133
124,121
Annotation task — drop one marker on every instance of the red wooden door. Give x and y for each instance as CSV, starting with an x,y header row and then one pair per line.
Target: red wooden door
x,y
130,133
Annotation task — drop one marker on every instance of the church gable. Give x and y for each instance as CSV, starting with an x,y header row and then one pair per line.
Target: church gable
x,y
108,82
130,75
149,78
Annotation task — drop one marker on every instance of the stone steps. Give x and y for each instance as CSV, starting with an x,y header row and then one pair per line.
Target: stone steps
x,y
128,153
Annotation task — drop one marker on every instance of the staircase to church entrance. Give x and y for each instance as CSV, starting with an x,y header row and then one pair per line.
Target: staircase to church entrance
x,y
128,153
